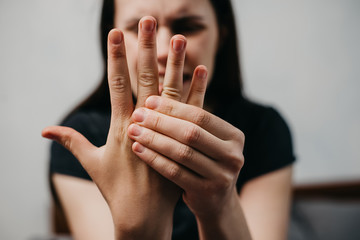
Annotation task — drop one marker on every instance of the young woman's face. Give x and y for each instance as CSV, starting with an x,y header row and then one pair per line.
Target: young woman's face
x,y
195,19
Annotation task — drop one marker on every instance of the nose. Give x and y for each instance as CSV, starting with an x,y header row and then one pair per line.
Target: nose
x,y
163,41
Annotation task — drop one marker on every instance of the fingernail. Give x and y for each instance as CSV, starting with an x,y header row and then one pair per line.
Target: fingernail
x,y
147,25
138,147
178,45
116,37
201,73
135,130
139,115
152,102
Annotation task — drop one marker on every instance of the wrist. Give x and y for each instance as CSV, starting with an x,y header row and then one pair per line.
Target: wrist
x,y
221,210
147,230
157,227
150,223
228,222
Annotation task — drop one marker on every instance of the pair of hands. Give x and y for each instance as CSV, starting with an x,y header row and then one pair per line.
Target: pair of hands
x,y
193,152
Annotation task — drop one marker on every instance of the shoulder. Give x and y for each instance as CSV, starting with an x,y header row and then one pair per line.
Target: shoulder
x,y
251,117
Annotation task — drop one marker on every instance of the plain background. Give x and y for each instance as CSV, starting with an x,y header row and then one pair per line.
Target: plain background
x,y
303,57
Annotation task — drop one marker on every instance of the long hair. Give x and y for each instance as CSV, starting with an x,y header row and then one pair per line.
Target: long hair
x,y
226,84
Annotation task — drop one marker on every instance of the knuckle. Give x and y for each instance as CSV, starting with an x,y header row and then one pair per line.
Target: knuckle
x,y
149,139
192,134
147,78
201,118
185,153
147,42
171,92
226,182
118,83
157,122
168,108
116,51
177,62
66,141
199,90
174,172
239,136
235,155
235,159
152,159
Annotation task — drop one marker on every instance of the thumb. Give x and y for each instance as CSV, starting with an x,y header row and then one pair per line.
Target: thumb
x,y
75,142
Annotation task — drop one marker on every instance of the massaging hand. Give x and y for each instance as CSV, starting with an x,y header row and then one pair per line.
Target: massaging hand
x,y
198,151
137,195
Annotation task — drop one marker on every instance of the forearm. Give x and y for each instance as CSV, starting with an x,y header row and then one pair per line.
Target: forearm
x,y
230,224
143,213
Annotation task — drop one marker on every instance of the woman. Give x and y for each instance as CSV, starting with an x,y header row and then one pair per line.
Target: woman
x,y
180,173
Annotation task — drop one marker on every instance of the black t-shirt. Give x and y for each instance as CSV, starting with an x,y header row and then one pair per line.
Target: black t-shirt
x,y
268,147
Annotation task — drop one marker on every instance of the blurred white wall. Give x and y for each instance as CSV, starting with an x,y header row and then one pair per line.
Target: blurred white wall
x,y
300,56
304,58
49,61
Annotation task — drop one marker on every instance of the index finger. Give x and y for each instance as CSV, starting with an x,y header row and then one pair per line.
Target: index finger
x,y
118,76
147,82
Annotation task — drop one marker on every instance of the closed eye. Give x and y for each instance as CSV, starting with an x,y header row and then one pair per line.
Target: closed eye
x,y
188,25
132,26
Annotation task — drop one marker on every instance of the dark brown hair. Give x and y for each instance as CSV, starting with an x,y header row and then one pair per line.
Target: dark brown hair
x,y
226,84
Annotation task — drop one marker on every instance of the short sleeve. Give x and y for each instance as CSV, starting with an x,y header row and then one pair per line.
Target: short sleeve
x,y
268,146
94,126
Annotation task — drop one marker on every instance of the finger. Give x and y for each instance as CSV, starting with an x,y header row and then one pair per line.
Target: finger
x,y
167,168
196,115
198,87
174,150
147,61
118,76
183,131
173,80
75,142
